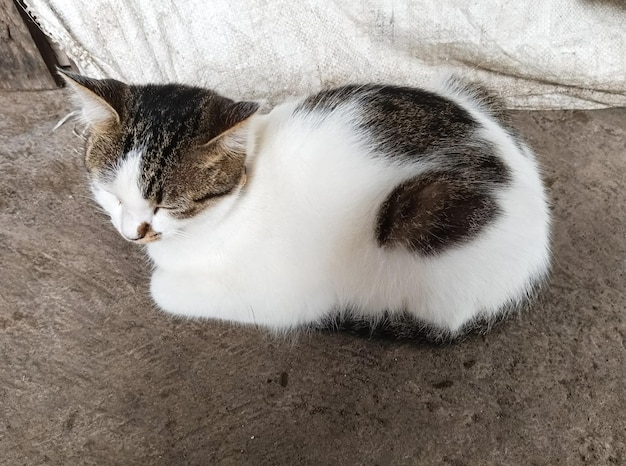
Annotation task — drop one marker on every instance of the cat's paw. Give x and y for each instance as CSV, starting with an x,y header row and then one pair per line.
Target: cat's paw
x,y
165,293
188,295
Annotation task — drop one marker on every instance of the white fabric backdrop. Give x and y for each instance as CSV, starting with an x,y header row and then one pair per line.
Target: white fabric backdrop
x,y
535,53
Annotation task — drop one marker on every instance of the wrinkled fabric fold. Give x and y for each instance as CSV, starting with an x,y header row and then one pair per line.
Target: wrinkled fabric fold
x,y
537,55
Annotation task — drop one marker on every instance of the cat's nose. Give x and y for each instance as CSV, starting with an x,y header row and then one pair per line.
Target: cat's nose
x,y
145,234
135,225
143,230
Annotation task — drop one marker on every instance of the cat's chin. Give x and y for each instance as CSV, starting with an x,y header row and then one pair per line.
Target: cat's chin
x,y
146,239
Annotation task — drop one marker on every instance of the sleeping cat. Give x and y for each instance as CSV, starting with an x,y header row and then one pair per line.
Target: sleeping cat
x,y
370,201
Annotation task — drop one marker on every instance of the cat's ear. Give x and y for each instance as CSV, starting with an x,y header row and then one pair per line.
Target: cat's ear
x,y
100,100
232,117
235,137
238,112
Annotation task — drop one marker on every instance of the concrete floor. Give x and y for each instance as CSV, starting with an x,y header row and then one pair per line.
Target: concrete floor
x,y
91,373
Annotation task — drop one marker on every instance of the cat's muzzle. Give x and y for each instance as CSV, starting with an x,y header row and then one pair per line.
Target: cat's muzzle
x,y
145,234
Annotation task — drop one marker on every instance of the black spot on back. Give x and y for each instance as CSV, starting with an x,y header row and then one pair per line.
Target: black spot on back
x,y
402,122
475,160
430,213
410,123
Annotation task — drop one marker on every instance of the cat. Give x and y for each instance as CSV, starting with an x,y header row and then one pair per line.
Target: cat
x,y
365,201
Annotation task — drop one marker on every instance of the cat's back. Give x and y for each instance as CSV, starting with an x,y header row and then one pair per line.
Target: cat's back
x,y
406,121
403,193
378,136
400,121
379,123
361,142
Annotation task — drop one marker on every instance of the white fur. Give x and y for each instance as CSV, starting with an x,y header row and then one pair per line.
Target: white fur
x,y
298,241
120,196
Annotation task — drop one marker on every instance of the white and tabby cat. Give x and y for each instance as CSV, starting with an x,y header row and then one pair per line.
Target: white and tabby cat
x,y
366,201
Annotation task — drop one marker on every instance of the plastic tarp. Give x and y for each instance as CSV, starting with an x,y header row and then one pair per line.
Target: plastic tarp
x,y
537,54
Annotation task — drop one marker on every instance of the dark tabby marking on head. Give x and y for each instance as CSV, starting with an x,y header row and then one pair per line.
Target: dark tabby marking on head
x,y
174,125
176,128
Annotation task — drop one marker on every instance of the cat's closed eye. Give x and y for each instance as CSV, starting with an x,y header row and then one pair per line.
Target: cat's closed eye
x,y
163,207
212,195
206,197
185,205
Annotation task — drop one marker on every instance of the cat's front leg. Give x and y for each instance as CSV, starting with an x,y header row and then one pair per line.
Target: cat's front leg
x,y
199,295
168,292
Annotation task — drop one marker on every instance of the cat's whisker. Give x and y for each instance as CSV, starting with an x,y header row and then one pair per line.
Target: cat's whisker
x,y
67,117
82,135
180,234
85,197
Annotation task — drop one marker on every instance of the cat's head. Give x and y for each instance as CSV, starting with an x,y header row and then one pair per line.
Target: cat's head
x,y
159,156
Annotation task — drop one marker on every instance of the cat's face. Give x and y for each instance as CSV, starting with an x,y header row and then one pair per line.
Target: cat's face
x,y
160,155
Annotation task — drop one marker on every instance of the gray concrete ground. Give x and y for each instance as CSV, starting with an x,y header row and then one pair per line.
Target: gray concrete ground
x,y
91,373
